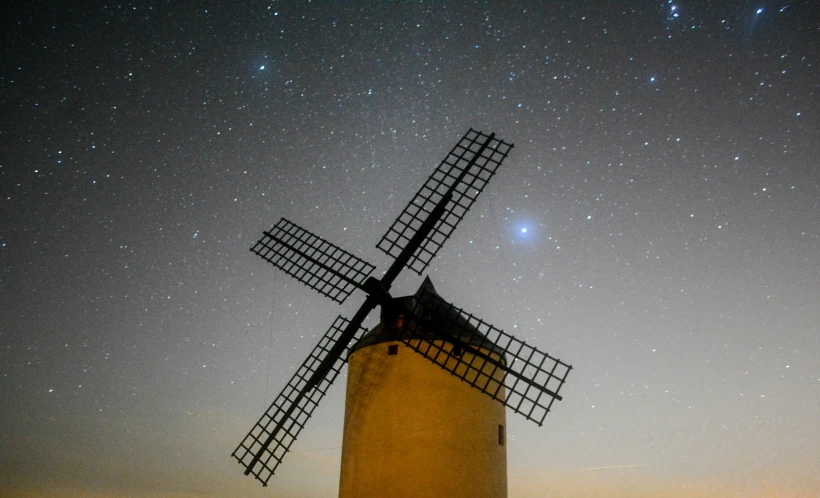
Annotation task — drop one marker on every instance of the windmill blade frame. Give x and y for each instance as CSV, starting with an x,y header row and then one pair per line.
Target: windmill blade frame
x,y
463,174
505,368
413,241
312,260
267,443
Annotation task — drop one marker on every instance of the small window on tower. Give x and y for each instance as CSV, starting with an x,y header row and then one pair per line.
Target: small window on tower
x,y
500,435
392,349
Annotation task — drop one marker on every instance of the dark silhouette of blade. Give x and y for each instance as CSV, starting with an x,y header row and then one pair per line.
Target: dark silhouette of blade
x,y
263,449
492,361
464,173
313,260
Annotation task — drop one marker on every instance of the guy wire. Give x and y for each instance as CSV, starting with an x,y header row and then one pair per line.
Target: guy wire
x,y
270,340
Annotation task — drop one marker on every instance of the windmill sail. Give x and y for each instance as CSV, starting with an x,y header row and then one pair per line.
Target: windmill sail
x,y
263,449
313,260
464,172
490,360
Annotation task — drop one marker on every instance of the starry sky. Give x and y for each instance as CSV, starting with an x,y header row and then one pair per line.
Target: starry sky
x,y
656,225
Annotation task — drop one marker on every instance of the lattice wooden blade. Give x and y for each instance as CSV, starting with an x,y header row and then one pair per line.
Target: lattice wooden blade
x,y
480,168
494,362
291,409
313,260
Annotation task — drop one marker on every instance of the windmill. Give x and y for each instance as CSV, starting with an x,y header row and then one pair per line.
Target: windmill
x,y
489,369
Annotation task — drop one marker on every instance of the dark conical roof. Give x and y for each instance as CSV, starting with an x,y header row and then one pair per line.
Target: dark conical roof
x,y
427,285
391,329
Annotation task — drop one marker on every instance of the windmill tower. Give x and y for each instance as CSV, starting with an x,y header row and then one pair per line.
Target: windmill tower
x,y
428,386
415,430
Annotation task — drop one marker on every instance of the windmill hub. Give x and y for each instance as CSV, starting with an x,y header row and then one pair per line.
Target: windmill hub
x,y
376,288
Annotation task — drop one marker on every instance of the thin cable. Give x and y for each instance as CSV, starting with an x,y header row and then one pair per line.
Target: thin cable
x,y
270,341
504,260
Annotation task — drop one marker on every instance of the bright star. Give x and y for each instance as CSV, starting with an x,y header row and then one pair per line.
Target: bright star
x,y
261,67
759,11
523,230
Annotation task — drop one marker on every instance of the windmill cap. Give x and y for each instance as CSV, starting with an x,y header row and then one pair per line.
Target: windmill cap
x,y
390,329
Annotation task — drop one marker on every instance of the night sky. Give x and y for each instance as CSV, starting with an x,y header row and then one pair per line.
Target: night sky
x,y
657,225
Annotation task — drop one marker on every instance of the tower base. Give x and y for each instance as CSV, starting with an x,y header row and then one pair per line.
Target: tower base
x,y
414,430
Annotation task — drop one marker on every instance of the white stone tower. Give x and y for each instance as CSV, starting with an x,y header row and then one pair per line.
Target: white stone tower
x,y
413,429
